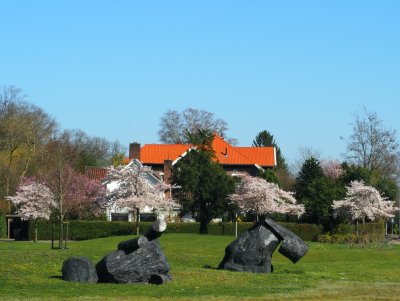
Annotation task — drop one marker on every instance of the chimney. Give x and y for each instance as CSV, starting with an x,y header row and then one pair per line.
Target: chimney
x,y
134,151
167,171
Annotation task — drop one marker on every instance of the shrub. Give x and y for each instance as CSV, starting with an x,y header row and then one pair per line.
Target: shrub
x,y
306,232
370,228
351,238
3,226
82,230
362,234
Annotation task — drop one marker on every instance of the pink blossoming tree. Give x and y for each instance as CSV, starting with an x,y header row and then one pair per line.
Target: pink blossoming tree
x,y
75,195
332,168
33,201
261,197
363,202
81,197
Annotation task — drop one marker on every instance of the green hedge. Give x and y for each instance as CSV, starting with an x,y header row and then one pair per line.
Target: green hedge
x,y
307,232
3,226
377,228
82,230
361,234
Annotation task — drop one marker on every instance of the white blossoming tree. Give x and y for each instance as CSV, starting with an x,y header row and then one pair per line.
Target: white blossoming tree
x,y
261,197
363,202
33,201
134,191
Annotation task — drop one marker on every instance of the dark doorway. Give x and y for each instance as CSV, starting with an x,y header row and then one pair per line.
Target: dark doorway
x,y
18,229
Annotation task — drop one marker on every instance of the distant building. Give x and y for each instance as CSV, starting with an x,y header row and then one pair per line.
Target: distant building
x,y
113,212
235,160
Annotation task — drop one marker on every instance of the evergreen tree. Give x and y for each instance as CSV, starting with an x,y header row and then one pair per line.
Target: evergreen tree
x,y
317,192
310,171
269,175
204,185
264,138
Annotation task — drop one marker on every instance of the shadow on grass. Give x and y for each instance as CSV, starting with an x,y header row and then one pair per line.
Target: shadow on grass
x,y
290,272
278,272
56,277
209,267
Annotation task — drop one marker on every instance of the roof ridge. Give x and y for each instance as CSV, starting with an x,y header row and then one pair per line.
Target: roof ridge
x,y
255,147
167,144
233,147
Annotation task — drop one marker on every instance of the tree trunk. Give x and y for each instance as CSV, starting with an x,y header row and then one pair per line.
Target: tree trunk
x,y
8,193
35,238
356,227
203,226
25,170
203,218
137,221
60,240
8,177
61,202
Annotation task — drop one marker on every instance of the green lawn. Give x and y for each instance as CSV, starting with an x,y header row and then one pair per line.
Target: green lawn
x,y
338,272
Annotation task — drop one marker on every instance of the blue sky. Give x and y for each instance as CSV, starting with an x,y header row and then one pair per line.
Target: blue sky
x,y
299,69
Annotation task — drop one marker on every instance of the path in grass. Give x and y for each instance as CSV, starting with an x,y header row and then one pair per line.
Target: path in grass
x,y
341,272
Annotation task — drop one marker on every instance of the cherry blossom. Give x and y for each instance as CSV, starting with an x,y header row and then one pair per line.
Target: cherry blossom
x,y
363,202
132,188
259,196
33,200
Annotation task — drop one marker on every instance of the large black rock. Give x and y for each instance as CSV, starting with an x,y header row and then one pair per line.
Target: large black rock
x,y
292,246
79,269
252,251
145,264
137,260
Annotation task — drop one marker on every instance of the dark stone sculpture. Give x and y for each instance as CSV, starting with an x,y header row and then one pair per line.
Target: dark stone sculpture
x,y
137,260
252,251
79,269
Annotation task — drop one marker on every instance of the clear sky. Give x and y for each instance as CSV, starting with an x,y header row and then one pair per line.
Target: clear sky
x,y
299,69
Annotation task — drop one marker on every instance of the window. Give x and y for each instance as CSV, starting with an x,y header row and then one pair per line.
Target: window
x,y
119,217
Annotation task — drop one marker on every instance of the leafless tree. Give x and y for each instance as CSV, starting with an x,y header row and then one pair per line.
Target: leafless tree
x,y
24,129
175,125
304,153
171,127
373,146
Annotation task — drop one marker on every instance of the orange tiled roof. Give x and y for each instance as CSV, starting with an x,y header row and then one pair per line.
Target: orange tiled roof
x,y
225,153
157,153
263,156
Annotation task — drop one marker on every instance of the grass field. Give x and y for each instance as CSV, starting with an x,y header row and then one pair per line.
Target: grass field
x,y
327,272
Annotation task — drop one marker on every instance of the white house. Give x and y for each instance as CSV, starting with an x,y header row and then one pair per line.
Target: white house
x,y
114,212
